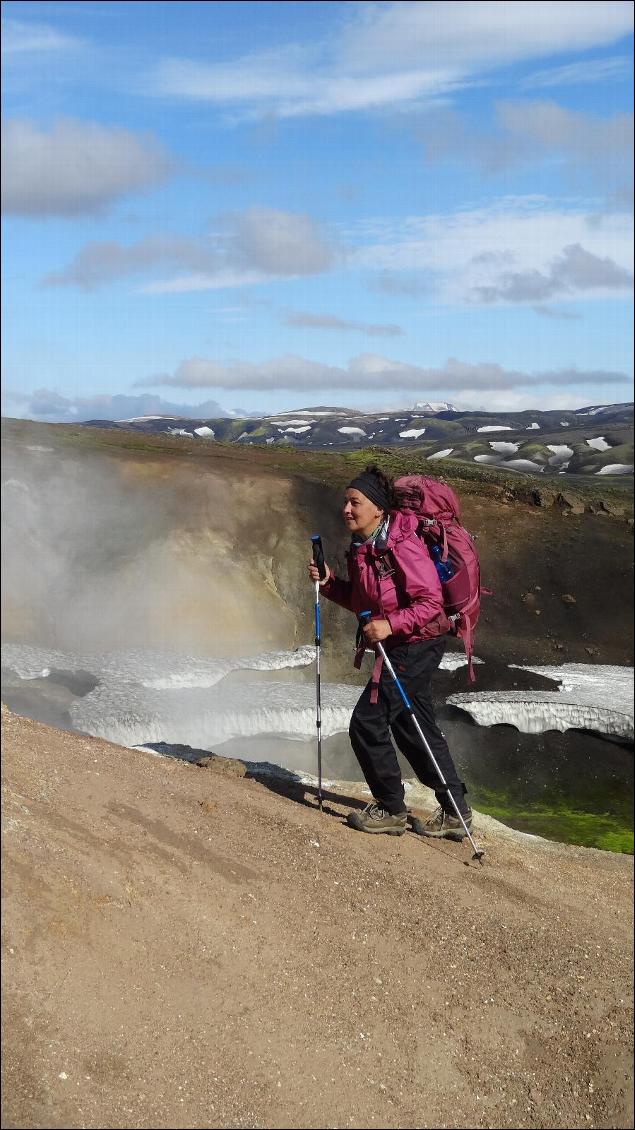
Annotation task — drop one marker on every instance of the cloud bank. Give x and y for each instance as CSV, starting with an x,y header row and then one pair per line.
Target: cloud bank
x,y
365,372
573,271
250,246
390,54
75,168
48,405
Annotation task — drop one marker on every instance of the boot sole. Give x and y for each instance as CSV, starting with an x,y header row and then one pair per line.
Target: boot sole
x,y
378,831
457,836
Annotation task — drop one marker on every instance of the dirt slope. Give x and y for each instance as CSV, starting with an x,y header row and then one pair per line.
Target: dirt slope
x,y
188,948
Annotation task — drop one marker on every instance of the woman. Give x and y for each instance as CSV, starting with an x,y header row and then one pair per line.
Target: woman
x,y
391,574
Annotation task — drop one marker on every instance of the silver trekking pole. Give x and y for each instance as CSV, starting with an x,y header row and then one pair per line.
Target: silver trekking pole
x,y
364,619
318,561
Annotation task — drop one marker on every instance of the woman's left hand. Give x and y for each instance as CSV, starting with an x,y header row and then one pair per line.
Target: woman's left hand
x,y
377,630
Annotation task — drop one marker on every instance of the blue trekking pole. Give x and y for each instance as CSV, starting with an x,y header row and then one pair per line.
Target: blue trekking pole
x,y
318,561
364,619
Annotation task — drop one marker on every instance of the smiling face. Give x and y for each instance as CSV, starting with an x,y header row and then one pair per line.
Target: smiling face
x,y
360,514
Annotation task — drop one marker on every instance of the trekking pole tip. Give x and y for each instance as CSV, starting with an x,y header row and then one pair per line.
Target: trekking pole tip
x,y
479,855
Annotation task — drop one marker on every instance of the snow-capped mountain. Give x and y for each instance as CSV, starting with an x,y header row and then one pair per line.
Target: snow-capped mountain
x,y
431,407
593,440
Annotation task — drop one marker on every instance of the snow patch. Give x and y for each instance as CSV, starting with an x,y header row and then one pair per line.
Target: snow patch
x,y
524,465
560,450
411,433
591,697
156,670
352,431
487,458
441,454
616,469
203,718
533,427
453,660
503,447
204,431
140,419
495,428
599,443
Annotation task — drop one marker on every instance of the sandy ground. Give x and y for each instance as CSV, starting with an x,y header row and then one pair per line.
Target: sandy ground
x,y
186,947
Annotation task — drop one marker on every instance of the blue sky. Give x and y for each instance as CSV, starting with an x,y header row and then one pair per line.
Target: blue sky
x,y
212,206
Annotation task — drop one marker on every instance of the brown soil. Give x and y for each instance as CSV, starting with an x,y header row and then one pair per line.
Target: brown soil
x,y
187,947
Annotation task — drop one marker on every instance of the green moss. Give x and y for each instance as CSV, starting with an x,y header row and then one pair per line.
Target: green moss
x,y
533,451
621,454
556,820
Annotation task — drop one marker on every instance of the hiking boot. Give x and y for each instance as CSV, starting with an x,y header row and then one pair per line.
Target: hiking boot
x,y
442,825
374,818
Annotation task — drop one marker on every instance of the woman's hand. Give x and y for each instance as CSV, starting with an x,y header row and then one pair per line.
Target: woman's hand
x,y
377,630
314,574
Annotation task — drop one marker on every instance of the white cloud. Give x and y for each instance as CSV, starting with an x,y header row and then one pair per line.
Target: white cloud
x,y
248,248
281,243
288,86
470,35
305,320
99,263
528,131
574,271
398,53
366,372
19,37
223,280
581,73
75,167
578,136
469,250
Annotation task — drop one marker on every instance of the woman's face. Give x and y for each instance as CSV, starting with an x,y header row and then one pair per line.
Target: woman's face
x,y
360,514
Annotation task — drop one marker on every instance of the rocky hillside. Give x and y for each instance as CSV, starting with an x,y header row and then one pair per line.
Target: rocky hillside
x,y
113,537
188,947
587,441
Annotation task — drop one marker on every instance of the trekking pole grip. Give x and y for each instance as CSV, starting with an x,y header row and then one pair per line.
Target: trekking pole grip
x,y
318,555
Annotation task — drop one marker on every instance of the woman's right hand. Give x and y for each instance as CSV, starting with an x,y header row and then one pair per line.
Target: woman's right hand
x,y
314,574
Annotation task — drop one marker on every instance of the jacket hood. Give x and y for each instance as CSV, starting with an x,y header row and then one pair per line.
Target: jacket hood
x,y
402,525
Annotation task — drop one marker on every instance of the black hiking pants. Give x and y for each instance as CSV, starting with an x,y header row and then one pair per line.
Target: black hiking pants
x,y
372,723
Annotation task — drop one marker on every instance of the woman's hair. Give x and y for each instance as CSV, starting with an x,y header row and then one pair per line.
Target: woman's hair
x,y
373,483
384,481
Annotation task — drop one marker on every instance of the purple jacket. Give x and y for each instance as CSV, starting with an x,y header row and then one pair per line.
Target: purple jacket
x,y
396,582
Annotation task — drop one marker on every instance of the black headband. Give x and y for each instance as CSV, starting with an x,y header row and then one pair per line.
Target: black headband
x,y
371,486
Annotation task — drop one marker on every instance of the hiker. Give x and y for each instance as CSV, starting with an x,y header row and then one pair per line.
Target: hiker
x,y
391,574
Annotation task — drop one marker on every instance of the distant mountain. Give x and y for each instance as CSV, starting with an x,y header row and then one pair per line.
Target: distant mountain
x,y
593,440
431,407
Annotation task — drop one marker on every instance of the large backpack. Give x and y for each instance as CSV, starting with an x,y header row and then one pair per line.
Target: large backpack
x,y
437,508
